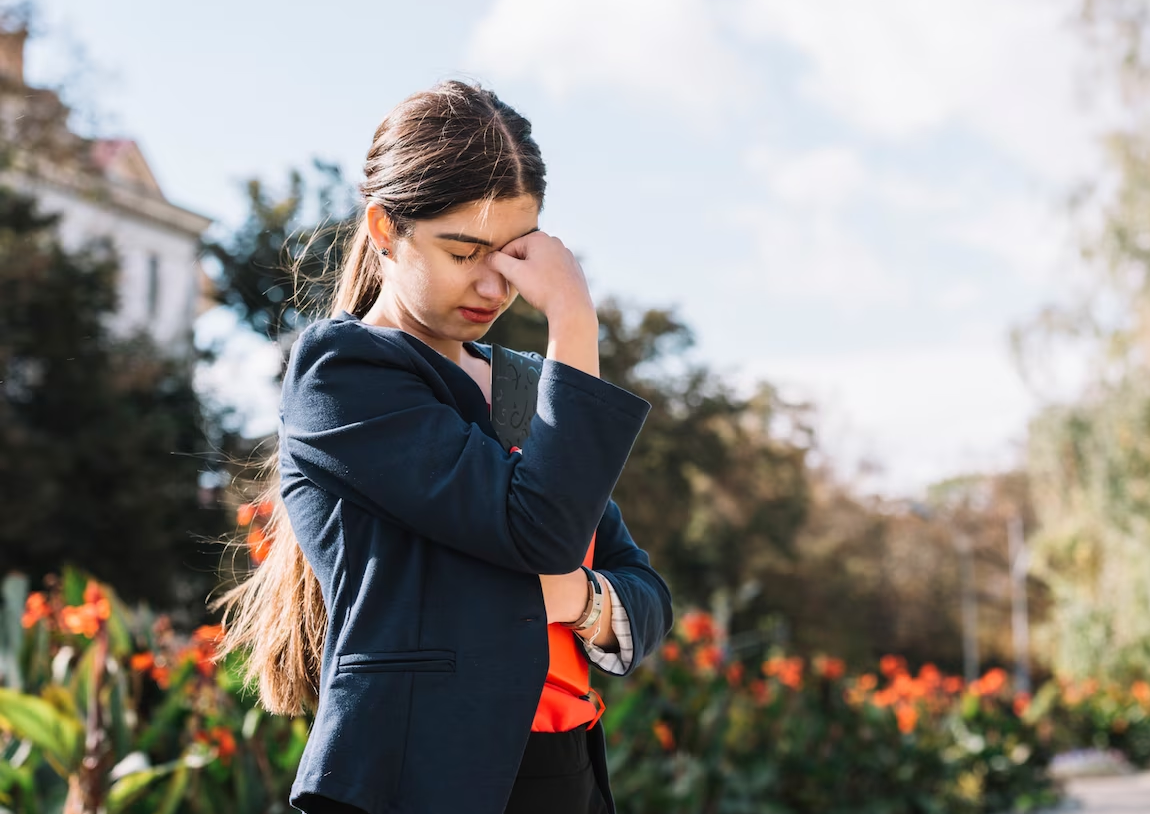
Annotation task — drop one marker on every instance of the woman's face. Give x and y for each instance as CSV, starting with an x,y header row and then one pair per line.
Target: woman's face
x,y
436,286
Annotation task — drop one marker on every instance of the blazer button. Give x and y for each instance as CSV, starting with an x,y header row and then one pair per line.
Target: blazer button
x,y
527,619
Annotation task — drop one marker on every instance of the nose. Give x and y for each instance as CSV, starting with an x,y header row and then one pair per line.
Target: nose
x,y
491,285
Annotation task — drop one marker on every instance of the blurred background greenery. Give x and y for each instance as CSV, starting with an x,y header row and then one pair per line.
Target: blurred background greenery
x,y
835,651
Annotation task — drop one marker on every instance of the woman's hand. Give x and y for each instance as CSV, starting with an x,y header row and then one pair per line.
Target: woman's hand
x,y
564,595
548,276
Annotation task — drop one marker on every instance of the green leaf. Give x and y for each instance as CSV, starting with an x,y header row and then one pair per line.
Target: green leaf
x,y
120,642
130,787
175,793
35,720
74,582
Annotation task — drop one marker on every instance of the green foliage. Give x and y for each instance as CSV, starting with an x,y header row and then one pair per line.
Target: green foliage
x,y
272,268
1091,475
1089,714
693,730
98,435
181,732
1090,461
697,731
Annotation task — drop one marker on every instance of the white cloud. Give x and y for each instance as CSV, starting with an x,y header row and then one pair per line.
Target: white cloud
x,y
817,257
922,413
1034,240
960,295
898,68
825,178
673,50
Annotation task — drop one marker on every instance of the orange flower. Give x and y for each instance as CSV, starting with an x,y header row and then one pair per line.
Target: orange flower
x,y
930,675
663,733
259,544
203,649
1021,703
142,661
225,742
991,683
697,626
829,668
1141,692
884,698
81,620
265,508
221,739
208,633
792,673
708,657
245,514
952,685
892,665
92,593
789,671
162,676
907,687
36,607
735,673
907,717
760,691
867,682
671,651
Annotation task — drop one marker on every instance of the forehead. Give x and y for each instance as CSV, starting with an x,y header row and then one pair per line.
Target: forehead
x,y
496,222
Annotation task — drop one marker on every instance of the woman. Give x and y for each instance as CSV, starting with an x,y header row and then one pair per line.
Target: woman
x,y
436,598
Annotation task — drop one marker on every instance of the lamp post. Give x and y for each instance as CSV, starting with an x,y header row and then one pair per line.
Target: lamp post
x,y
1020,626
969,607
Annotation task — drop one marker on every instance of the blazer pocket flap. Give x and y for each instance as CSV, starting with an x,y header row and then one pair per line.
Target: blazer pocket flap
x,y
434,661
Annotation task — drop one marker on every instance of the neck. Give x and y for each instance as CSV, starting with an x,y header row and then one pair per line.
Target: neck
x,y
388,314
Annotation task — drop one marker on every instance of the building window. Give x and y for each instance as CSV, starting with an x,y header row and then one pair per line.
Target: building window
x,y
153,285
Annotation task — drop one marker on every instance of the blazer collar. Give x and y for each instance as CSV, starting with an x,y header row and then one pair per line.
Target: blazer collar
x,y
480,349
468,397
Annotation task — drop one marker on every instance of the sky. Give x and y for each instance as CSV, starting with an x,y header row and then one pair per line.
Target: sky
x,y
855,202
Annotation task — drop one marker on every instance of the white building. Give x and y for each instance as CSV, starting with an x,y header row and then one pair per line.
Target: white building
x,y
103,188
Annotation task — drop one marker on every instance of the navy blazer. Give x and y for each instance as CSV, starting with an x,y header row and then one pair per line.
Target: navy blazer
x,y
427,538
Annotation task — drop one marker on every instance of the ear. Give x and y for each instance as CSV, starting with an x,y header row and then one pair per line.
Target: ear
x,y
379,227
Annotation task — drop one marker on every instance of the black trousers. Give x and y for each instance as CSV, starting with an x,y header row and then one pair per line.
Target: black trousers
x,y
554,777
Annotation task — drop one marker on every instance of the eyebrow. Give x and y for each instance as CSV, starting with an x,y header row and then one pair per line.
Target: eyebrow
x,y
460,237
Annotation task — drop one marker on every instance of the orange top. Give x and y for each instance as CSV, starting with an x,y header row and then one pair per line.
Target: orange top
x,y
566,701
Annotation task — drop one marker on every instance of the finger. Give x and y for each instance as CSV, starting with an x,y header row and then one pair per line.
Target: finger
x,y
502,262
519,246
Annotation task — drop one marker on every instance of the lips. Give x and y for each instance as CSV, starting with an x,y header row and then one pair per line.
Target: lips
x,y
479,315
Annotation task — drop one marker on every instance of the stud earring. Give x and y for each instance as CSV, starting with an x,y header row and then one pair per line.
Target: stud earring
x,y
384,252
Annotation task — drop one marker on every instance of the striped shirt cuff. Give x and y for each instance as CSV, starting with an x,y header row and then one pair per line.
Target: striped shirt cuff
x,y
616,663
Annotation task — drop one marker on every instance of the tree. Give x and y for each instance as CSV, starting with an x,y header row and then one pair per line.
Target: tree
x,y
281,236
1089,461
101,438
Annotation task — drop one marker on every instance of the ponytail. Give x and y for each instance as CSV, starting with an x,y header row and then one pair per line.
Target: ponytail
x,y
277,614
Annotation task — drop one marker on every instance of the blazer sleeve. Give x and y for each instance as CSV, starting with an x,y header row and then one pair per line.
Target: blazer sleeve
x,y
361,420
638,587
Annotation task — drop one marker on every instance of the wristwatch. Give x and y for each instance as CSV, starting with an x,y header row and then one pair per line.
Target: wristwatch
x,y
594,607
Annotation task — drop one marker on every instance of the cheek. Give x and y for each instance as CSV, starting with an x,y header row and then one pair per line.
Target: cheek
x,y
415,278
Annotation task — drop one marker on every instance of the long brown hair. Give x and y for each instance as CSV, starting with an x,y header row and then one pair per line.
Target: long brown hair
x,y
438,149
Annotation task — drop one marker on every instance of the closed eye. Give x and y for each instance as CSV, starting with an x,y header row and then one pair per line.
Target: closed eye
x,y
461,259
